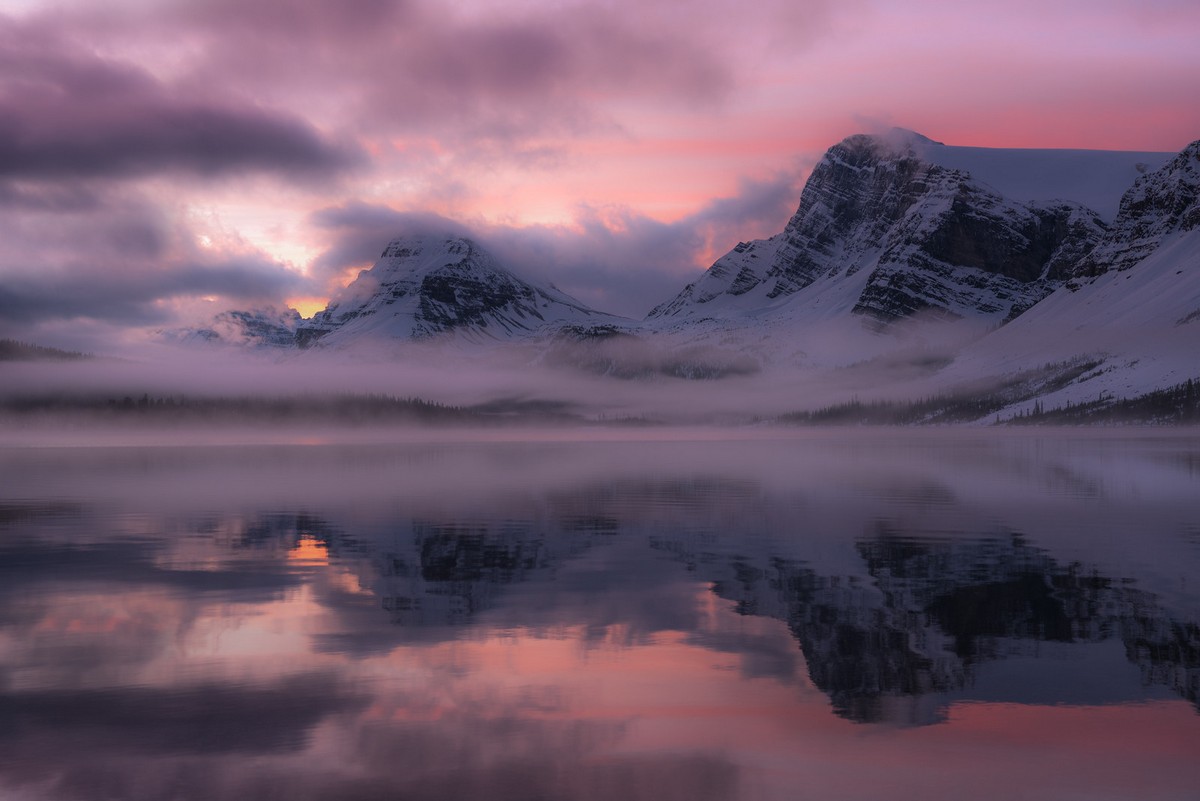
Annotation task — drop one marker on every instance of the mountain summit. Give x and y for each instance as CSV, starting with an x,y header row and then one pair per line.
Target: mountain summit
x,y
426,285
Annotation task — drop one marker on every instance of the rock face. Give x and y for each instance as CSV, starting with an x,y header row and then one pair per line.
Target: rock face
x,y
1158,204
909,235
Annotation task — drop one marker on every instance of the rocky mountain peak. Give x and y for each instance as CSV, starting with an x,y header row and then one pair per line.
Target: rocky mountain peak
x,y
1169,198
1159,204
425,285
891,144
927,238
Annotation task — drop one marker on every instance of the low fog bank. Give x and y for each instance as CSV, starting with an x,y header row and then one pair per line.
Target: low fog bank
x,y
841,372
316,391
579,376
464,471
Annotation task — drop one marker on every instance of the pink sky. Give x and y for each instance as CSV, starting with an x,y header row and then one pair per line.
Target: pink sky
x,y
161,160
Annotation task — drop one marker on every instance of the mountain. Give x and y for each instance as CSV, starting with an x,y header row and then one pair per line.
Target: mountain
x,y
1033,280
893,226
422,286
426,285
1132,304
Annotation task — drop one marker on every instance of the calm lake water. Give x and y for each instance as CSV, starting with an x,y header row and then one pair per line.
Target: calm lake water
x,y
825,615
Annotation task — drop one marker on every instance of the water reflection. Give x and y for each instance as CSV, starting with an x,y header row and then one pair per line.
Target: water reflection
x,y
599,620
936,613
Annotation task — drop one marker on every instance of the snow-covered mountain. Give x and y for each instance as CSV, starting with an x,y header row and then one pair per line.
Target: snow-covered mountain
x,y
1078,268
892,226
422,286
426,285
1133,305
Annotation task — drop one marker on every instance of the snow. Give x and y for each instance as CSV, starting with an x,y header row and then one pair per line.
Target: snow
x,y
1144,323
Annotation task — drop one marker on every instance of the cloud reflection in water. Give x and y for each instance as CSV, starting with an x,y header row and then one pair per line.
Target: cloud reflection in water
x,y
598,620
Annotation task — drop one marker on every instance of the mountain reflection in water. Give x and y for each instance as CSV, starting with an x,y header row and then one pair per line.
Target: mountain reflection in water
x,y
1006,617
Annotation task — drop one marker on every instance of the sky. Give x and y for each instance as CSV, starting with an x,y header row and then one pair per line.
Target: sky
x,y
164,160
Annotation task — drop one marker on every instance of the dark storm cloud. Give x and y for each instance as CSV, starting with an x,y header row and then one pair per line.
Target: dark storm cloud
x,y
546,64
618,260
68,113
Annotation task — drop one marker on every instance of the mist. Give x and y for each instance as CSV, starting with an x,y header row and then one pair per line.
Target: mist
x,y
619,378
849,369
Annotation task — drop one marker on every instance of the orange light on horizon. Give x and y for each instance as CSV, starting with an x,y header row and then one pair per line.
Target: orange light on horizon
x,y
307,306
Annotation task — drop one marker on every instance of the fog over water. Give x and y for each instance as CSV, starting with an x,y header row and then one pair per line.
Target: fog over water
x,y
661,378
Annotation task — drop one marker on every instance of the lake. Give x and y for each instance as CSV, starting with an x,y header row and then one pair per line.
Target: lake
x,y
604,614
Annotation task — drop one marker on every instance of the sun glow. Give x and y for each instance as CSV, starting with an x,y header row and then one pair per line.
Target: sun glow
x,y
309,550
307,305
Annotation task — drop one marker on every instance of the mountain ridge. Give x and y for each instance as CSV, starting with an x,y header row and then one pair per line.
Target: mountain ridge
x,y
893,261
933,239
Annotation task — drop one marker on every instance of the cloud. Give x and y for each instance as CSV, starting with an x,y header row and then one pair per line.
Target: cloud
x,y
483,82
27,566
114,256
614,259
67,113
215,718
135,298
300,22
360,231
626,262
85,237
52,198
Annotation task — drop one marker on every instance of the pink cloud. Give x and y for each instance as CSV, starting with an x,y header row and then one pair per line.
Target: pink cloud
x,y
615,259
